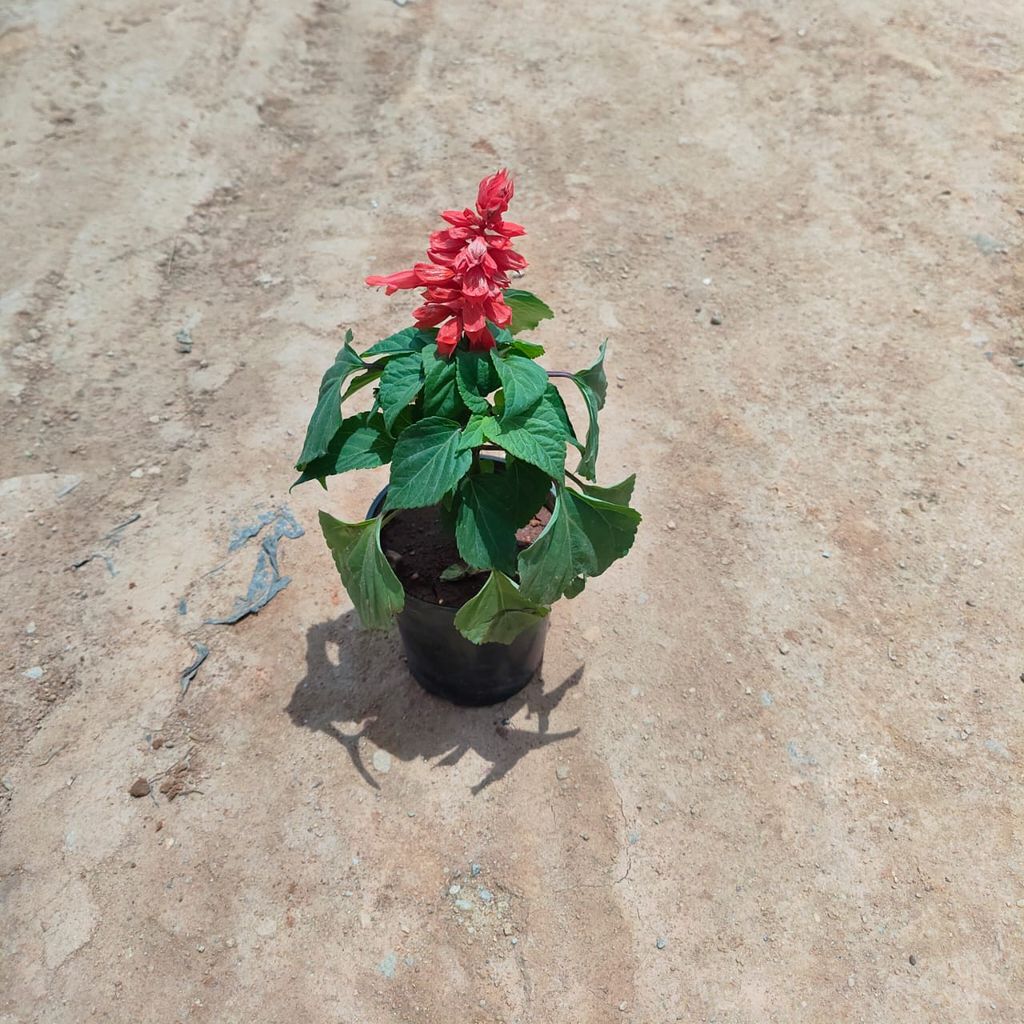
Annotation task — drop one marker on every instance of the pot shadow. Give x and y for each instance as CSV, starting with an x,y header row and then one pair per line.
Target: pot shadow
x,y
369,687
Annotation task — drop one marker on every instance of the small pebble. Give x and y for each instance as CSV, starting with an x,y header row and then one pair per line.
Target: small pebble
x,y
562,772
506,928
716,319
30,628
463,905
137,474
661,943
474,869
140,787
454,890
382,761
783,647
36,672
671,524
913,960
485,894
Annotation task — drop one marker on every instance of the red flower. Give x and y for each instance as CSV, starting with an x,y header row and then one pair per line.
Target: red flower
x,y
468,270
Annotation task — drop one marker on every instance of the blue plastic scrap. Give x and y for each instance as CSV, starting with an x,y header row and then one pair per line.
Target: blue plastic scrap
x,y
267,580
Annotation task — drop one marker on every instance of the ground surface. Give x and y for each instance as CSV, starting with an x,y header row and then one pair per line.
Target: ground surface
x,y
785,738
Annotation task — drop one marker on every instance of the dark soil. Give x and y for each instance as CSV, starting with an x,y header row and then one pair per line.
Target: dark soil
x,y
419,549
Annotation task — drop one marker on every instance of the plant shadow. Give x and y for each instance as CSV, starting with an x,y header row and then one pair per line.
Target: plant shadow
x,y
368,693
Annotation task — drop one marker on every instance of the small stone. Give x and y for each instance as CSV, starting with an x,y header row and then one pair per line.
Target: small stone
x,y
137,474
670,525
562,772
30,628
200,948
140,787
154,419
36,672
661,943
463,905
622,1006
154,471
382,761
783,647
506,928
716,319
913,960
454,890
485,895
7,784
474,869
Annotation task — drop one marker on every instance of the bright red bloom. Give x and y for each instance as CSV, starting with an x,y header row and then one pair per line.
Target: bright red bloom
x,y
468,270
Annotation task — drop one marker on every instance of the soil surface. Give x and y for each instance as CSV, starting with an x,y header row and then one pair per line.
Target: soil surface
x,y
774,769
420,549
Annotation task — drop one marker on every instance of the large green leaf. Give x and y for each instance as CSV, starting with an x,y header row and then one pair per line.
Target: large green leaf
x,y
369,579
485,527
498,613
362,442
527,309
401,383
588,460
583,538
617,494
537,435
326,418
522,380
529,489
440,391
412,339
427,463
594,376
476,379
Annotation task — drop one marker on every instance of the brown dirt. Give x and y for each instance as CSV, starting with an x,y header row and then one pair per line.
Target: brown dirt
x,y
420,549
785,737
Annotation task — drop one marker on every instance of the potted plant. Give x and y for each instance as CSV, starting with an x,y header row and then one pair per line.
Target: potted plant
x,y
481,527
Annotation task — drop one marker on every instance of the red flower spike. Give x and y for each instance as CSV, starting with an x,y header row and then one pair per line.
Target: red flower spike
x,y
468,270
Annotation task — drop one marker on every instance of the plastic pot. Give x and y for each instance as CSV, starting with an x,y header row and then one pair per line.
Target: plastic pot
x,y
447,665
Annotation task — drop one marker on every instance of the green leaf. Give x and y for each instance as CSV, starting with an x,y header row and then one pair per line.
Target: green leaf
x,y
401,383
427,463
536,435
476,379
526,348
582,539
529,489
412,339
594,376
588,460
617,494
361,382
527,309
440,391
326,418
498,613
362,442
475,432
368,577
522,380
485,529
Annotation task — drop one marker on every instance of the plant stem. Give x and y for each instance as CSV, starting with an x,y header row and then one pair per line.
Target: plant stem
x,y
561,373
575,479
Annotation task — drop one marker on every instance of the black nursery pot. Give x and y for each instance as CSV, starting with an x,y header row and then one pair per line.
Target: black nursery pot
x,y
447,665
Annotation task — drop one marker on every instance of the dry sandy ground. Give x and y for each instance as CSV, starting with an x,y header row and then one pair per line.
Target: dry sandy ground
x,y
775,768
